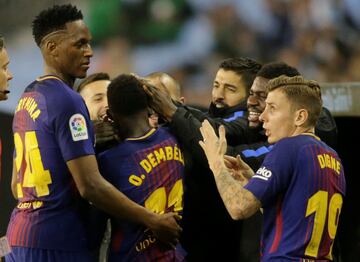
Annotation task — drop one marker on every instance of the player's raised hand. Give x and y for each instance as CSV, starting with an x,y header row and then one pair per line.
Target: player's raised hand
x,y
213,146
104,131
160,101
166,229
238,168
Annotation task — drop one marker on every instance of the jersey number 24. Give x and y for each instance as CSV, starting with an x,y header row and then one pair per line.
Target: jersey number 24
x,y
34,175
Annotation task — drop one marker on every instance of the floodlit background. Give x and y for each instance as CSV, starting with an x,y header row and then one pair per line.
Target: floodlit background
x,y
188,38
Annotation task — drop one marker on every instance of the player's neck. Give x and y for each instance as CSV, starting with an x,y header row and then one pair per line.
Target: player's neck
x,y
303,130
135,126
139,130
65,78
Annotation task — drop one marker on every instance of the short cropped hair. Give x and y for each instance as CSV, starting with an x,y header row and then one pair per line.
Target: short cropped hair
x,y
245,67
126,96
53,19
175,88
1,42
92,78
301,93
276,69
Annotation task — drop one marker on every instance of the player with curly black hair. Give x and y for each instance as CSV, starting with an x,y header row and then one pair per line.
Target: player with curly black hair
x,y
147,166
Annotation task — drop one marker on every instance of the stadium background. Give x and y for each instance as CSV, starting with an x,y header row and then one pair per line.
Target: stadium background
x,y
188,39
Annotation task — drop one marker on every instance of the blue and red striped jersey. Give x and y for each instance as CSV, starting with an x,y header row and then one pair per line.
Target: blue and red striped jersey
x,y
301,186
148,170
51,126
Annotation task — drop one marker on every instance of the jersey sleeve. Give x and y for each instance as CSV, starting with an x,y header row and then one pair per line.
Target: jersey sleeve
x,y
72,127
274,175
103,165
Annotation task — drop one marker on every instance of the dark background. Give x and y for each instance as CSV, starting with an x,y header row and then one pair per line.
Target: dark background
x,y
348,149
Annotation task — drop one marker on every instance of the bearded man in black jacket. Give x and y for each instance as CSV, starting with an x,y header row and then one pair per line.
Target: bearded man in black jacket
x,y
209,233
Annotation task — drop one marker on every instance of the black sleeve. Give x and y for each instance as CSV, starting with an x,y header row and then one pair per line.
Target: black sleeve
x,y
326,128
236,131
252,154
187,130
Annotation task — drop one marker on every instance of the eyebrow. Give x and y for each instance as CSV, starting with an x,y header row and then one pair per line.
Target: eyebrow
x,y
99,94
230,85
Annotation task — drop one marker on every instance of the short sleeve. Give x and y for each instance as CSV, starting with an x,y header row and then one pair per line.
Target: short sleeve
x,y
274,175
72,127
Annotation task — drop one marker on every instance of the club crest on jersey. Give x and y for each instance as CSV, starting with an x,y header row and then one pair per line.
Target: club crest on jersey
x,y
263,173
78,127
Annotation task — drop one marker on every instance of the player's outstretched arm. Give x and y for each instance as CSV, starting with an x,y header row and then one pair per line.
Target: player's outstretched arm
x,y
239,202
93,187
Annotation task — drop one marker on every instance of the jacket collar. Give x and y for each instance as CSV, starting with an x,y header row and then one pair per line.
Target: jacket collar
x,y
226,112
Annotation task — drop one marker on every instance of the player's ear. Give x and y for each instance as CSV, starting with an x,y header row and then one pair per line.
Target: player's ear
x,y
301,116
50,48
182,100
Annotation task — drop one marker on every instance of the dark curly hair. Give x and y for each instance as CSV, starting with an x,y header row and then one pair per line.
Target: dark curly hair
x,y
126,96
245,67
53,19
276,69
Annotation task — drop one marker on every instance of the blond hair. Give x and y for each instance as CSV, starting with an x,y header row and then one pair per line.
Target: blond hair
x,y
302,93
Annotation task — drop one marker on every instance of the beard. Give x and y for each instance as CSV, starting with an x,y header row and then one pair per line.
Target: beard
x,y
218,112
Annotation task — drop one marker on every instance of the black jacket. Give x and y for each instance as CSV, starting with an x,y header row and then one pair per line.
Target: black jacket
x,y
209,233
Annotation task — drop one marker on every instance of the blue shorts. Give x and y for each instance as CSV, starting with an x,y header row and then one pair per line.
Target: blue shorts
x,y
25,254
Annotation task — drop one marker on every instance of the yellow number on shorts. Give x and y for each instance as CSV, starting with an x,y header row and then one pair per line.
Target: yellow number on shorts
x,y
34,175
318,204
156,202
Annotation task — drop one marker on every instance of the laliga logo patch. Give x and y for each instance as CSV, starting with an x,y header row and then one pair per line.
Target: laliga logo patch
x,y
263,173
78,127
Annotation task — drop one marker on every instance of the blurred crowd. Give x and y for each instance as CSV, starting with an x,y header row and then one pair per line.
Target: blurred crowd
x,y
187,38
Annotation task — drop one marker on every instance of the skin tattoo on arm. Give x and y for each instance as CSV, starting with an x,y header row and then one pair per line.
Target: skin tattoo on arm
x,y
239,202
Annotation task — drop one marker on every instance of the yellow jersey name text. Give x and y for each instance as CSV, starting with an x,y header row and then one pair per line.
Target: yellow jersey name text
x,y
328,161
29,104
161,154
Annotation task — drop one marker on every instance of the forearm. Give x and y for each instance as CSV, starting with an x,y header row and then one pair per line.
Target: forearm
x,y
239,202
94,188
186,129
106,197
236,130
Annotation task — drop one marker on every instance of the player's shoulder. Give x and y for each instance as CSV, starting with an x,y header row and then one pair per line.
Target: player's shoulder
x,y
164,132
58,94
291,145
57,89
301,143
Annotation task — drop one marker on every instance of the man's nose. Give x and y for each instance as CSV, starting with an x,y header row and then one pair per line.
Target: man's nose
x,y
252,100
10,76
88,51
219,93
